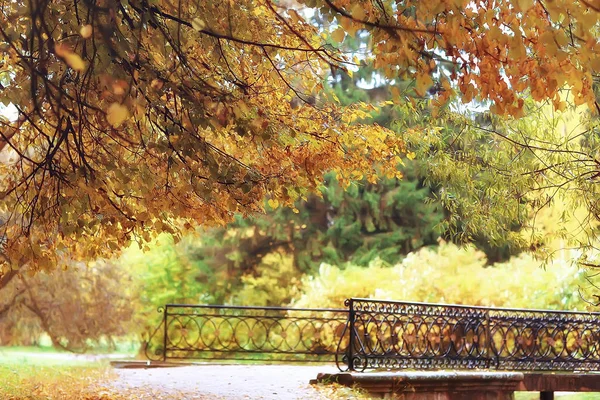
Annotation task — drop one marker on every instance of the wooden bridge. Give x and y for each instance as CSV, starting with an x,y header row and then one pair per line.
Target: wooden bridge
x,y
469,352
401,335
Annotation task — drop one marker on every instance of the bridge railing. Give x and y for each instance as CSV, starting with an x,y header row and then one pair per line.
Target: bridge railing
x,y
396,335
215,332
372,334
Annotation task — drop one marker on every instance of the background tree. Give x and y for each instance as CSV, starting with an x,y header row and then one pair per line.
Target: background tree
x,y
498,175
494,56
78,307
384,220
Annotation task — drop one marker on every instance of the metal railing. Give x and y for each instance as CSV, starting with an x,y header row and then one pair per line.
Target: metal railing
x,y
396,335
373,334
205,332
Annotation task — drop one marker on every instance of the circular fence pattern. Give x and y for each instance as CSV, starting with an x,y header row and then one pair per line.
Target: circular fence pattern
x,y
383,334
219,332
430,336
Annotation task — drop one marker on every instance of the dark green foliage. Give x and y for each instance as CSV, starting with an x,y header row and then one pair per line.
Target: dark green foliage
x,y
367,221
385,220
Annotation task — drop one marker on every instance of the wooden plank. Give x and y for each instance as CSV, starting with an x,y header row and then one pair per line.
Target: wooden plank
x,y
560,382
428,385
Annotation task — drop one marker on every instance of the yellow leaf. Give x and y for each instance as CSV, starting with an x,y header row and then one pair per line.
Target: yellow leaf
x,y
588,20
356,175
119,87
241,109
295,16
349,27
198,24
517,49
358,12
549,42
561,38
273,203
596,64
411,155
73,60
86,31
525,5
338,35
116,114
423,83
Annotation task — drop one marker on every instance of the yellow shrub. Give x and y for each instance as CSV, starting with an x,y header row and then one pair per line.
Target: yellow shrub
x,y
451,274
275,282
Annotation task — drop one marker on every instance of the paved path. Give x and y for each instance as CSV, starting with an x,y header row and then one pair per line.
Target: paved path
x,y
226,382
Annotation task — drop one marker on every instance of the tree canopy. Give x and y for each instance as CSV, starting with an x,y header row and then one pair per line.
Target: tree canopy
x,y
133,115
136,117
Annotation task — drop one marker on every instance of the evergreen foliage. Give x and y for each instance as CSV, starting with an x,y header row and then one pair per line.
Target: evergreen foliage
x,y
382,220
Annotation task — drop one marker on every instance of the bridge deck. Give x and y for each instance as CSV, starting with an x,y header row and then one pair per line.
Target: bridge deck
x,y
481,349
560,382
470,383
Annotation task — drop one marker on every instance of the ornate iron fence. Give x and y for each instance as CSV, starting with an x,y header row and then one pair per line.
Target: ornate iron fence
x,y
248,333
387,334
382,334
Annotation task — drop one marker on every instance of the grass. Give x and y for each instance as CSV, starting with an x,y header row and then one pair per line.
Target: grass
x,y
33,373
44,373
30,373
39,356
53,382
83,382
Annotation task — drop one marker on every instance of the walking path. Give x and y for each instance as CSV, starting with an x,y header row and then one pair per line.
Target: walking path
x,y
225,382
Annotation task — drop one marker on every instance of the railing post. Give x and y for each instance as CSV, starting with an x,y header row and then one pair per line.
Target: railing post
x,y
352,334
165,333
488,338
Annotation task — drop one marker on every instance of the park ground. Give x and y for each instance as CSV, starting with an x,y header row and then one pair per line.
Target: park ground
x,y
34,373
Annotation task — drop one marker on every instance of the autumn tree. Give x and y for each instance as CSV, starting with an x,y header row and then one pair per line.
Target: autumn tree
x,y
138,117
82,306
134,117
